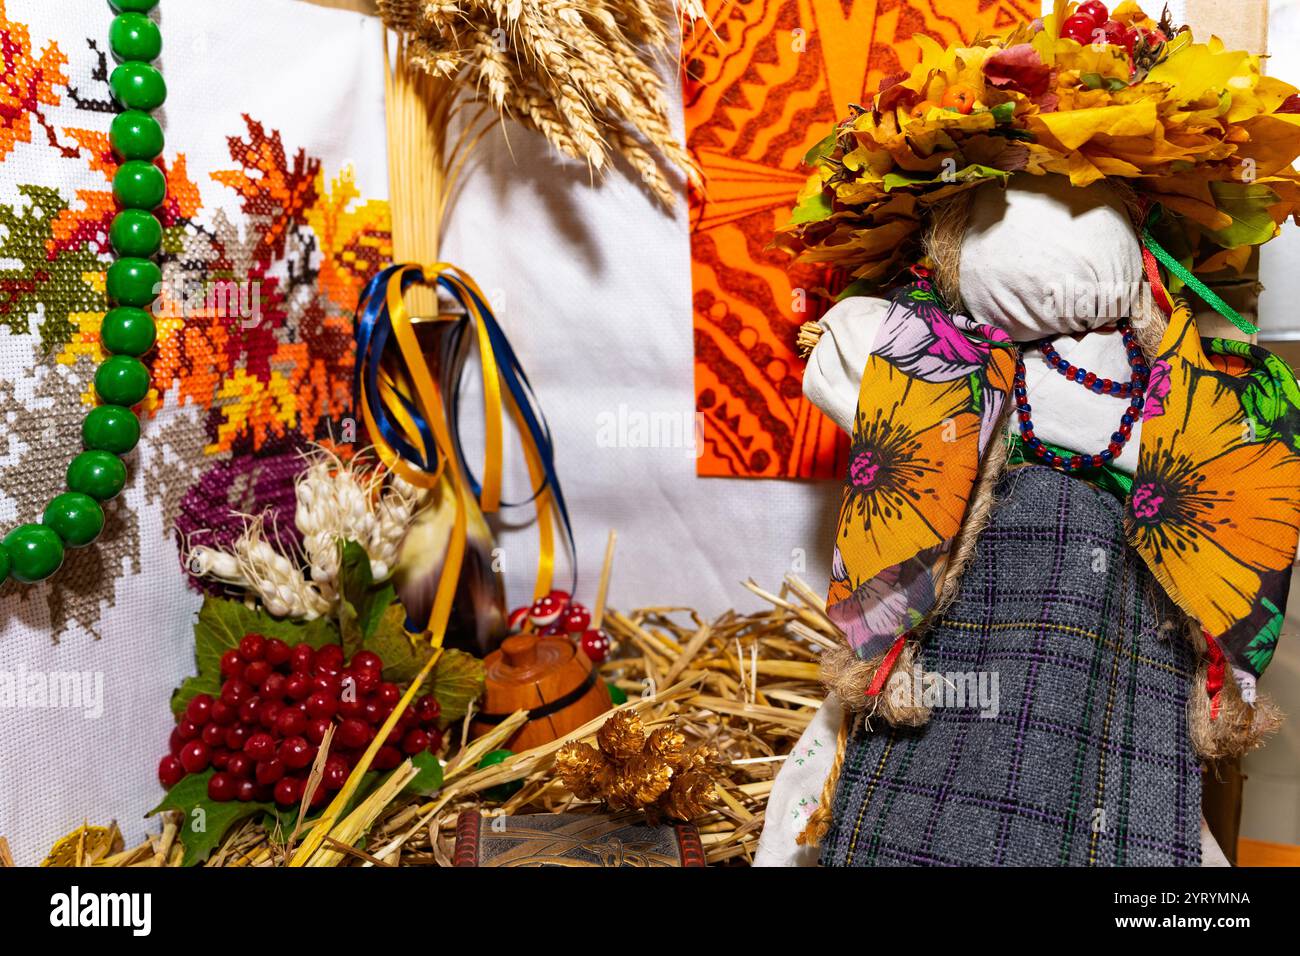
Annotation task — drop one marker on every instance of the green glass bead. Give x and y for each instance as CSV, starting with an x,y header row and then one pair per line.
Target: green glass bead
x,y
136,233
122,380
128,331
136,135
133,36
133,282
4,564
505,791
135,6
139,185
35,552
138,86
98,474
111,428
76,518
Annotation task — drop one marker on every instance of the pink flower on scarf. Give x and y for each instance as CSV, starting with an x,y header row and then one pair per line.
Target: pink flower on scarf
x,y
1157,391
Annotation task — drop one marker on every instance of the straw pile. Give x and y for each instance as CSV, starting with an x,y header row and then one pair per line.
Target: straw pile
x,y
745,685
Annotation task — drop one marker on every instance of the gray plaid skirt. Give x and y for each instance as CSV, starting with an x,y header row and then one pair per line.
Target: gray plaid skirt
x,y
1059,732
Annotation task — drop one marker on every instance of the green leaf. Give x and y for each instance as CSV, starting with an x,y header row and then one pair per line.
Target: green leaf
x,y
1004,112
966,174
205,821
363,602
222,624
457,681
1248,204
820,151
457,678
812,208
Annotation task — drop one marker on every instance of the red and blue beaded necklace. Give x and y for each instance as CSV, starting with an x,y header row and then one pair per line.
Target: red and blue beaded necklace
x,y
1134,390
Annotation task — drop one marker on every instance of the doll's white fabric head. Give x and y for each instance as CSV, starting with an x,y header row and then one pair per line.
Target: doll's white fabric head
x,y
1045,257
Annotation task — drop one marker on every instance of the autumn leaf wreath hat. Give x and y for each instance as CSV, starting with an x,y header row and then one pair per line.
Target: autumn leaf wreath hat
x,y
1207,142
1193,127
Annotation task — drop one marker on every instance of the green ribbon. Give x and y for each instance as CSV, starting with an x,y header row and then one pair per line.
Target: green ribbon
x,y
1210,297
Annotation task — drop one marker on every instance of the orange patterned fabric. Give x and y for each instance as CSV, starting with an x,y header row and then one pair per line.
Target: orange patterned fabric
x,y
758,95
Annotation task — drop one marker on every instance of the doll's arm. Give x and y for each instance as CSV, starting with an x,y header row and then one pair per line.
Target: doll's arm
x,y
797,790
833,377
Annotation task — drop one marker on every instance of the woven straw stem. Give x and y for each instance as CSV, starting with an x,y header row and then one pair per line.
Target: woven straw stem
x,y
417,107
819,821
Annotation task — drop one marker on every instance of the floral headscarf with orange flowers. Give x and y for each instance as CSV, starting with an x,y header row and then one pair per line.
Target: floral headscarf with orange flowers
x,y
1214,509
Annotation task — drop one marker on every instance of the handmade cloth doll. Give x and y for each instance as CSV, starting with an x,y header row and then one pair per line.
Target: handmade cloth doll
x,y
1069,521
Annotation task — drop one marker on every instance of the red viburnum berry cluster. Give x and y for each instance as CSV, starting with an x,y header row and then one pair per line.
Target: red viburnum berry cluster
x,y
558,613
1092,23
276,704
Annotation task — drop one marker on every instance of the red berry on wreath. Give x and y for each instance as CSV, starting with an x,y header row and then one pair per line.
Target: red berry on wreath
x,y
301,659
317,728
321,704
170,771
1079,28
268,712
414,741
269,771
256,672
223,713
249,710
288,791
427,709
297,687
1094,10
187,729
387,758
335,774
290,722
595,644
388,694
276,652
1117,34
232,665
296,752
234,690
237,736
260,746
214,735
435,739
199,709
367,661
273,688
252,647
352,733
194,756
329,659
175,742
223,787
239,765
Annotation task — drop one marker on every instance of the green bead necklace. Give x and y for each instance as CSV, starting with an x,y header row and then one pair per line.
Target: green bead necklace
x,y
32,552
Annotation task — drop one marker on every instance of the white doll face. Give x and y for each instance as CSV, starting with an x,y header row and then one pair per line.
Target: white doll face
x,y
1043,257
